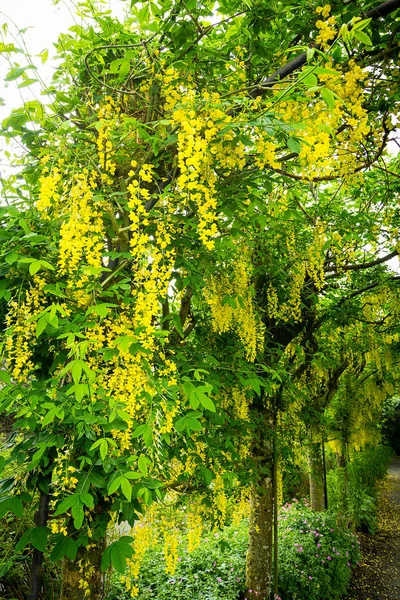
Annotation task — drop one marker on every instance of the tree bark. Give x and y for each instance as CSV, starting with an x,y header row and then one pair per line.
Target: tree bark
x,y
316,476
82,578
259,553
41,518
344,519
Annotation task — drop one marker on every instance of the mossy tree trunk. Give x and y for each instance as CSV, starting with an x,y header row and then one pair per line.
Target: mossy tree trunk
x,y
82,578
316,476
260,548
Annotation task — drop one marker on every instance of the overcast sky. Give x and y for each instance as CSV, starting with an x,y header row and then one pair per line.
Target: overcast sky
x,y
44,22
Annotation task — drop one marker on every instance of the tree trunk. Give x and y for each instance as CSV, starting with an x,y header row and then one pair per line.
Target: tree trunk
x,y
82,578
345,518
41,518
316,475
259,553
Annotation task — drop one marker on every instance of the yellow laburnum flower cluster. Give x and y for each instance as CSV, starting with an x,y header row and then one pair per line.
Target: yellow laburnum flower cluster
x,y
86,572
242,507
171,544
197,179
327,32
170,407
82,236
231,305
332,135
324,11
206,143
21,331
236,402
143,540
108,116
220,501
127,378
48,190
63,479
316,257
195,529
266,151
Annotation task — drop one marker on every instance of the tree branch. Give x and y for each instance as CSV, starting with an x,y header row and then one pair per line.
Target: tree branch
x,y
367,288
365,265
381,11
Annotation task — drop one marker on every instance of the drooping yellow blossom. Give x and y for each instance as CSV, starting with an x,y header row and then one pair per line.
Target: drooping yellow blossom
x,y
21,330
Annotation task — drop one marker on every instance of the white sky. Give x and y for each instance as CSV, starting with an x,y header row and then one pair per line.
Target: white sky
x,y
44,22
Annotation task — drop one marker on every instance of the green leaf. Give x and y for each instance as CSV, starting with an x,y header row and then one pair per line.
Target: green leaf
x,y
76,370
187,423
44,56
5,567
87,499
360,25
78,514
34,267
207,475
38,538
310,80
133,475
106,559
328,97
178,325
66,504
37,456
110,353
47,265
17,72
24,540
114,485
294,145
188,389
255,384
310,53
126,488
205,401
65,546
141,430
100,309
49,417
103,448
11,258
5,377
11,504
27,83
97,480
118,559
41,325
362,37
142,464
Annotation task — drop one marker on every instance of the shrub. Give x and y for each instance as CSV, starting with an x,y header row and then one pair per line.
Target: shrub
x,y
315,557
215,571
315,560
352,493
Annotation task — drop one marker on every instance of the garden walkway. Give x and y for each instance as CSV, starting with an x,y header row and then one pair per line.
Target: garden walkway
x,y
378,575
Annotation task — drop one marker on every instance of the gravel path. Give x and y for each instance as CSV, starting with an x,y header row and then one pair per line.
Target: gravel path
x,y
378,575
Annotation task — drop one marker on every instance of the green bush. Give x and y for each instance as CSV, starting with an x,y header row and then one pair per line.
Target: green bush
x,y
315,557
315,560
352,492
215,571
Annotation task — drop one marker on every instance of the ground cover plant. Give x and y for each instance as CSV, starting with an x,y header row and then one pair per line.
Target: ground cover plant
x,y
316,560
